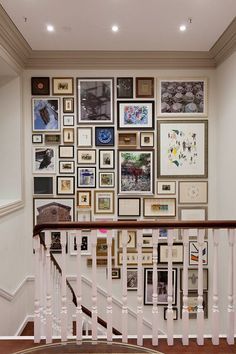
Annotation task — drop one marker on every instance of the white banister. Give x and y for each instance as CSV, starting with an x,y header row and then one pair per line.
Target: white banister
x,y
215,299
109,286
94,285
155,320
79,313
230,329
124,287
43,295
185,312
170,290
63,288
200,310
48,289
38,266
140,289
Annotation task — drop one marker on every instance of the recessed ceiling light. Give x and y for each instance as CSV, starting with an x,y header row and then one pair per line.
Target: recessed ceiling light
x,y
50,28
182,28
115,28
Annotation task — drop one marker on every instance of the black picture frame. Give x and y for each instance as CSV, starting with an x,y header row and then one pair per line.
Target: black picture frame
x,y
162,246
136,115
175,313
92,185
193,315
40,86
43,185
130,201
102,163
63,155
104,136
124,87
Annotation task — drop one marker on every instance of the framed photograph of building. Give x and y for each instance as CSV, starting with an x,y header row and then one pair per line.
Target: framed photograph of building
x,y
46,114
86,157
68,104
166,187
182,150
129,207
106,179
124,87
95,100
84,137
106,159
104,202
84,199
53,210
66,151
63,86
40,86
44,160
144,87
65,185
104,136
67,167
177,253
193,279
159,207
43,185
193,192
132,279
193,304
135,114
86,177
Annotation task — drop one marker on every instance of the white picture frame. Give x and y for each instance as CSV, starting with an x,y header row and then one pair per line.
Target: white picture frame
x,y
193,192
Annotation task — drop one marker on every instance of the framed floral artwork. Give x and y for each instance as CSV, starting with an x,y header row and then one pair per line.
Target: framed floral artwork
x,y
135,114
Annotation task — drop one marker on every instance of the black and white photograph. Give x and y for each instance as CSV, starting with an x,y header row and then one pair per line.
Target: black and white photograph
x,y
124,87
44,160
132,279
85,244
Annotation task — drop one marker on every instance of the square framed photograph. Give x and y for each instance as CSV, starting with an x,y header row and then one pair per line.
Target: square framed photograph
x,y
84,199
159,207
132,258
144,87
193,192
68,135
192,213
68,105
135,114
194,253
127,140
104,136
177,253
37,138
66,151
166,187
193,304
115,273
135,172
84,137
162,286
193,279
132,279
146,139
84,215
124,87
86,157
44,160
40,86
46,114
62,86
53,210
65,185
182,97
68,120
54,139
43,185
67,167
106,179
86,177
104,202
175,313
129,207
106,159
85,244
132,239
182,150
95,100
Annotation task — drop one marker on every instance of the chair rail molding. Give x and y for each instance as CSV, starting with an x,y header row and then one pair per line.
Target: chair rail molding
x,y
10,296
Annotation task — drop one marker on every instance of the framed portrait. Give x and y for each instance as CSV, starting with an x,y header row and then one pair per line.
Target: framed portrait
x,y
193,279
194,253
40,86
106,179
146,139
104,136
193,192
66,151
95,100
132,258
166,187
182,150
84,137
129,207
68,104
84,199
135,114
85,244
65,185
104,202
67,167
53,210
162,286
46,114
177,253
86,177
132,279
43,185
68,135
54,139
44,160
83,215
193,304
37,138
159,207
144,87
135,172
62,86
192,213
115,273
132,239
124,87
175,313
86,157
106,159
68,120
127,140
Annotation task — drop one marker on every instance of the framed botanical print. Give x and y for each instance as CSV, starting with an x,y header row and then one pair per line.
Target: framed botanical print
x,y
144,87
166,187
106,159
84,137
104,136
40,86
63,86
65,185
86,177
159,207
84,199
135,114
86,157
68,105
129,207
182,150
46,114
104,202
193,192
124,87
44,160
67,167
95,100
106,179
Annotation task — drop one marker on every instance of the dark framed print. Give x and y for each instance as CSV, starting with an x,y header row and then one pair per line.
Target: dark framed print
x,y
66,151
67,167
129,207
162,286
106,159
193,304
44,160
95,100
63,86
159,207
55,246
68,120
86,177
43,185
177,253
86,157
144,87
104,202
40,86
193,279
85,244
166,187
53,210
124,87
37,138
135,114
115,273
132,279
84,199
46,114
65,185
175,313
52,138
146,139
68,105
106,179
104,136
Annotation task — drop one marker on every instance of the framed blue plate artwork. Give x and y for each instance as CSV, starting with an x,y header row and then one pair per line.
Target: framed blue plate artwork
x,y
104,136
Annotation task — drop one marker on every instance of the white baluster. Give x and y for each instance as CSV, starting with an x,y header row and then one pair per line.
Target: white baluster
x,y
43,290
124,287
48,289
63,288
185,313
215,307
140,289
54,272
109,286
230,331
38,264
170,290
79,312
155,320
94,285
200,310
70,312
58,300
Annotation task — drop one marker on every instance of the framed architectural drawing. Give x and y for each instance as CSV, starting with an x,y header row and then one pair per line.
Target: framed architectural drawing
x,y
135,114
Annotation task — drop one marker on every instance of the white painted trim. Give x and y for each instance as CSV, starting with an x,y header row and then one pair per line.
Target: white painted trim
x,y
28,318
11,207
10,296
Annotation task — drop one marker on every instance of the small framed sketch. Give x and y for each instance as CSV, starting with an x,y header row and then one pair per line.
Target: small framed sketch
x,y
43,185
46,114
106,159
65,185
104,136
115,273
132,239
135,114
144,87
40,86
166,187
67,167
193,192
146,139
84,199
193,279
68,120
194,253
175,313
177,253
84,137
44,160
147,241
127,140
68,135
106,179
86,157
86,177
159,207
124,86
104,202
37,138
132,279
85,244
52,139
129,207
68,105
62,86
193,304
66,151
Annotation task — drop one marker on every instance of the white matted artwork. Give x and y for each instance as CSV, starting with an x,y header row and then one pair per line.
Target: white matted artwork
x,y
195,214
166,187
193,192
85,243
129,207
156,207
194,253
44,160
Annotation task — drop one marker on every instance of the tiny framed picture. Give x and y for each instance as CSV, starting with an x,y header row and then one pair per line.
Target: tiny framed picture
x,y
37,138
102,247
194,253
84,199
159,207
85,244
104,202
68,120
147,241
84,137
43,185
193,192
127,140
175,313
115,273
106,159
144,87
177,253
65,185
52,139
40,86
146,139
66,151
67,167
106,179
62,86
86,157
104,136
135,114
166,187
68,105
46,114
129,207
44,160
68,135
193,279
132,279
193,304
132,239
86,177
83,215
56,242
124,87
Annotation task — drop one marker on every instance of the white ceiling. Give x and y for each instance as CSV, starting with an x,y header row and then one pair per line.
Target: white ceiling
x,y
144,24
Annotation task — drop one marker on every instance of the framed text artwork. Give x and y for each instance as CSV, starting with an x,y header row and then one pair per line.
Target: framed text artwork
x,y
135,114
182,150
